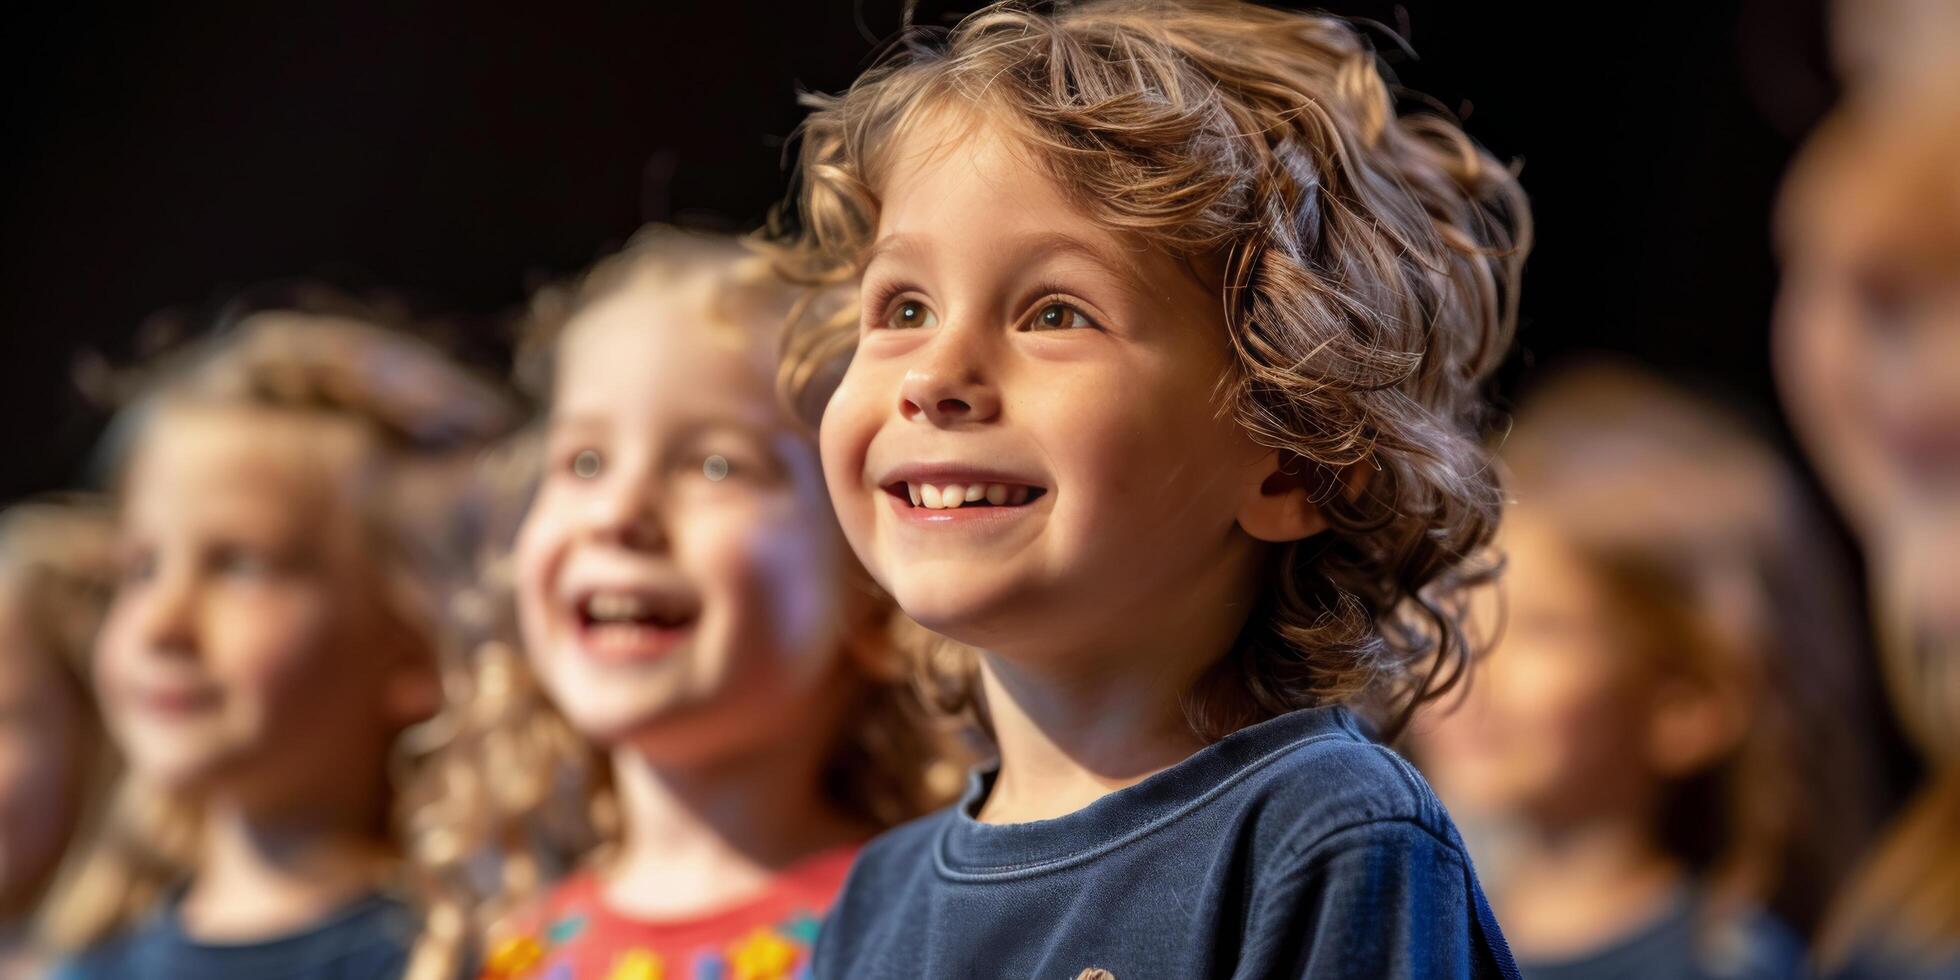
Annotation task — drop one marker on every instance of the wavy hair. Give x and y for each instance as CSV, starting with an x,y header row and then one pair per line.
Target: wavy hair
x,y
1367,262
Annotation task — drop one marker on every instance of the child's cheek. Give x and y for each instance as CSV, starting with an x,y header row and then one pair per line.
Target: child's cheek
x,y
109,666
772,570
538,548
849,423
275,655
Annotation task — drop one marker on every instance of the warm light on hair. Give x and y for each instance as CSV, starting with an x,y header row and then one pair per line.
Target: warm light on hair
x,y
1367,262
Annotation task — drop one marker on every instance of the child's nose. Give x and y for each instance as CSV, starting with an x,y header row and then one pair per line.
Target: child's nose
x,y
947,390
630,515
168,616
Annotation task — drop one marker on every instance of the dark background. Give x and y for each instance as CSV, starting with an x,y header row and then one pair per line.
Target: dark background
x,y
161,160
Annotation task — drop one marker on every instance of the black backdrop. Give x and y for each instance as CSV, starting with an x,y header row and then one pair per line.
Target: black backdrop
x,y
160,159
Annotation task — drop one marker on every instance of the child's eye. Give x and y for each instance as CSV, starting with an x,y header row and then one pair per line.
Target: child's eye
x,y
587,464
910,314
1059,316
139,567
727,466
242,563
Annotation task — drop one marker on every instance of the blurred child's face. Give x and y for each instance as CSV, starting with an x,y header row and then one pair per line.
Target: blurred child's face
x,y
679,574
44,747
1868,333
249,650
1553,725
1055,383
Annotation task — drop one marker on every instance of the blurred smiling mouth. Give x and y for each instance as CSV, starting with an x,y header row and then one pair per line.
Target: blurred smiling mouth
x,y
626,625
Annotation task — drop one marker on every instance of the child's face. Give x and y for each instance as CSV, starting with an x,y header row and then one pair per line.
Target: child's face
x,y
1013,350
679,574
1552,725
248,649
1868,335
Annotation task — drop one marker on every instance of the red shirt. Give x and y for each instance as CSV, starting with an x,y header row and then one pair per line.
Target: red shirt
x,y
573,935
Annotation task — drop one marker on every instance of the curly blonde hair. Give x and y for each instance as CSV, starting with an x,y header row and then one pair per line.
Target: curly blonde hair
x,y
514,796
423,418
1367,262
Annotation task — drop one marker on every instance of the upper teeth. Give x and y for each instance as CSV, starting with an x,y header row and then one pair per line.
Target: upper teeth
x,y
616,606
946,496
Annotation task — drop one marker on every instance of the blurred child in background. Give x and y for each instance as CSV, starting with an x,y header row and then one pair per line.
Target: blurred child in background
x,y
291,511
57,565
1868,361
1670,734
709,714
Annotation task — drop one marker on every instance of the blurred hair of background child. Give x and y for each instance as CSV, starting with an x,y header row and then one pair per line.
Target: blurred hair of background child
x,y
710,712
1674,729
292,519
1867,348
57,566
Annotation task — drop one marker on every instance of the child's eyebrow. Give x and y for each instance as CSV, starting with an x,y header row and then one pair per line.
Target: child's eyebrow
x,y
579,421
1028,249
1049,244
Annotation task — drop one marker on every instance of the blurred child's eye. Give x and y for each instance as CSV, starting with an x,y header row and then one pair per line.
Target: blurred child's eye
x,y
242,563
587,463
139,567
910,314
1059,316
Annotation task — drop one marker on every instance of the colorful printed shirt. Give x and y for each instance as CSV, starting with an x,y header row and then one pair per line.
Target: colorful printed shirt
x,y
573,935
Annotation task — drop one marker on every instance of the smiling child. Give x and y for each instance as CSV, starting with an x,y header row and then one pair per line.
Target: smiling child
x,y
1163,394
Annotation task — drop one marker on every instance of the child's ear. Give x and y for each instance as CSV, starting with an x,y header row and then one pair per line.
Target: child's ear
x,y
1282,502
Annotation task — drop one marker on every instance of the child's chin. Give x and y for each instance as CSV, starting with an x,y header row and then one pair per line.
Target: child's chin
x,y
964,612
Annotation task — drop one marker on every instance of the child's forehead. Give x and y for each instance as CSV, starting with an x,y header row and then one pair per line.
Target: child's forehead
x,y
648,336
196,452
963,171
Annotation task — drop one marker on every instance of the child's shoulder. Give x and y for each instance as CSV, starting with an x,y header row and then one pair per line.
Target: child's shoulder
x,y
1338,785
900,851
1310,779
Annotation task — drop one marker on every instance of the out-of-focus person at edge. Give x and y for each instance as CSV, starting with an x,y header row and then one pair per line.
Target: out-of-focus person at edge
x,y
1867,350
292,505
1662,766
57,565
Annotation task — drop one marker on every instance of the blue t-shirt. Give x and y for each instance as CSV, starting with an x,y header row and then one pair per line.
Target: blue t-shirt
x,y
1876,962
366,940
1293,848
1685,943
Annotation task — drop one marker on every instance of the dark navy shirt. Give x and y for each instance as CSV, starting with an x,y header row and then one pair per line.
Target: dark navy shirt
x,y
1685,943
1293,848
367,940
1875,962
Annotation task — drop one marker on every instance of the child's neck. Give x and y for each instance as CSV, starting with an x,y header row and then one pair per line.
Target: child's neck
x,y
1068,739
268,872
703,839
1568,891
1079,721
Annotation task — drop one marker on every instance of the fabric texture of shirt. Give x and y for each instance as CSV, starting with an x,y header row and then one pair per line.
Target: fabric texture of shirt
x,y
366,940
1683,942
574,935
1293,848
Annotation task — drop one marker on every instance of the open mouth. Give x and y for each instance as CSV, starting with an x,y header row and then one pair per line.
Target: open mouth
x,y
631,624
955,496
